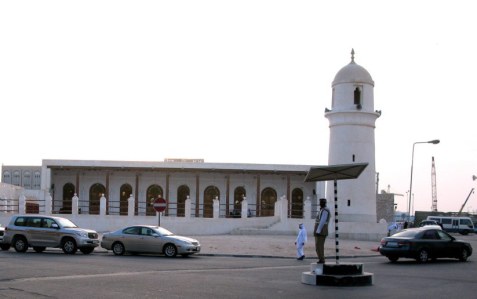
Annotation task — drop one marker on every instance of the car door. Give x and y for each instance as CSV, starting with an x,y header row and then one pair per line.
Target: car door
x,y
450,247
50,235
131,238
431,240
152,242
33,231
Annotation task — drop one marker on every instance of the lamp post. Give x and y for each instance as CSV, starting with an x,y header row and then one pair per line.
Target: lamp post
x,y
436,141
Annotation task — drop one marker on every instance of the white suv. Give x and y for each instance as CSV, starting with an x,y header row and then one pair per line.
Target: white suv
x,y
41,231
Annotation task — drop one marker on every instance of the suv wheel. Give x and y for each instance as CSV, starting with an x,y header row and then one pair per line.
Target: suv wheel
x,y
20,244
69,246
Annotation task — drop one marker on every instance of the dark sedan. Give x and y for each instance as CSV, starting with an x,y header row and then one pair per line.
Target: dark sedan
x,y
423,244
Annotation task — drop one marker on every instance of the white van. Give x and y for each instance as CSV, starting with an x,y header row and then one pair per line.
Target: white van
x,y
462,225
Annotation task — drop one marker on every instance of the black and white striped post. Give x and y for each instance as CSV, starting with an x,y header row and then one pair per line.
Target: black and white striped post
x,y
337,242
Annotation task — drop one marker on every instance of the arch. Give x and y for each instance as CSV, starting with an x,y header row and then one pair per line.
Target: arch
x,y
124,193
36,180
26,180
95,192
268,199
153,193
297,203
68,193
210,193
16,178
182,192
239,194
7,177
357,97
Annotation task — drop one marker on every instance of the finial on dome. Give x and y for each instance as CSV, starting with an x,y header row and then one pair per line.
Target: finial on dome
x,y
352,55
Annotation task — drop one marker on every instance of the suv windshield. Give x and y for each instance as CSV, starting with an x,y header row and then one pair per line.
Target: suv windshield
x,y
66,223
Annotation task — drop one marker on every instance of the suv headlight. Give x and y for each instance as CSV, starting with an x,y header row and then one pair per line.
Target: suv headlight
x,y
82,234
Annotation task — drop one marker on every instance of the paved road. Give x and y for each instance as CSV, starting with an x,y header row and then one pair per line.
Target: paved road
x,y
53,274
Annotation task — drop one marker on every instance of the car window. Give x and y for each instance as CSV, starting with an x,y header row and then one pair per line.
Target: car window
x,y
162,231
146,231
446,221
430,235
34,222
47,222
132,230
66,223
444,236
407,233
21,221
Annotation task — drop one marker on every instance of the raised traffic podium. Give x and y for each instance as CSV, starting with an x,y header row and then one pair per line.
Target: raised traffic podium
x,y
336,274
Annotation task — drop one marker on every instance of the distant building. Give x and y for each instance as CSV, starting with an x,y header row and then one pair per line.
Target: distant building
x,y
28,177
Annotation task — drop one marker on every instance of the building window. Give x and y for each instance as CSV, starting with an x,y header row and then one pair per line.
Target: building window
x,y
267,202
124,193
7,177
95,193
210,194
297,203
182,193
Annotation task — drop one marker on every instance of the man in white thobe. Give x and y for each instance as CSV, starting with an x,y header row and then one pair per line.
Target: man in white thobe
x,y
300,241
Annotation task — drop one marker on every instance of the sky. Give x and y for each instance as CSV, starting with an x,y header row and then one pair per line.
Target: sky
x,y
241,82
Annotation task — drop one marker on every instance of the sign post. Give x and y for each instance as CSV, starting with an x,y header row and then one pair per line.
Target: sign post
x,y
159,205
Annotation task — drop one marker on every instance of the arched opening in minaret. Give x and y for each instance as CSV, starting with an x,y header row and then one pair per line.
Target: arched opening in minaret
x,y
357,97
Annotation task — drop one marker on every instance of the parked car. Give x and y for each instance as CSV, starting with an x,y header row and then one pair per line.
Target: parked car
x,y
41,231
430,224
424,243
149,239
3,245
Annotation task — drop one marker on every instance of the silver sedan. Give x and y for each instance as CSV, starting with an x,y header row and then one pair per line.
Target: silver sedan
x,y
149,239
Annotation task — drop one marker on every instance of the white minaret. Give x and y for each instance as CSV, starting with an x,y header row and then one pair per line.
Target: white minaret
x,y
352,121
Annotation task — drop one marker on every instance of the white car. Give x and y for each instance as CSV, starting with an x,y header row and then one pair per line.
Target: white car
x,y
149,239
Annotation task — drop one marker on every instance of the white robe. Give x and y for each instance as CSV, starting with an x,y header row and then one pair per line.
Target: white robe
x,y
301,239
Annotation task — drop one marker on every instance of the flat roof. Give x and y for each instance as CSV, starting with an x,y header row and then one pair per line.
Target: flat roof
x,y
149,165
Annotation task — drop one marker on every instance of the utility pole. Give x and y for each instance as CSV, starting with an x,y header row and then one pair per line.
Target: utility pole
x,y
434,188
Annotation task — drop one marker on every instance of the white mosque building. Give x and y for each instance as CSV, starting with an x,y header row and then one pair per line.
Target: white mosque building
x,y
210,196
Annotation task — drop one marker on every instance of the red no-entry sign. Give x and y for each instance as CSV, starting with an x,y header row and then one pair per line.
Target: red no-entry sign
x,y
159,204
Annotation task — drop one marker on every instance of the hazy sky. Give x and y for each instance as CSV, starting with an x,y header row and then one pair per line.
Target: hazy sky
x,y
240,81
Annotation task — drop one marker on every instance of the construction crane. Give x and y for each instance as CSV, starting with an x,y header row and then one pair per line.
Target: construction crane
x,y
471,191
434,188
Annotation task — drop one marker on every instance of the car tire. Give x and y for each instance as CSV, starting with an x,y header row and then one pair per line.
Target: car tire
x,y
170,250
392,259
39,249
423,256
87,250
5,246
118,248
20,244
464,255
69,246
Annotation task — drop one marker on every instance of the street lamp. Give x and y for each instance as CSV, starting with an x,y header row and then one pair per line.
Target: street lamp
x,y
436,141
